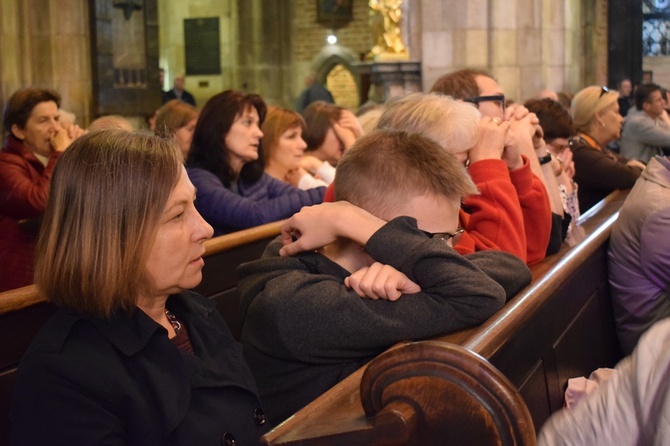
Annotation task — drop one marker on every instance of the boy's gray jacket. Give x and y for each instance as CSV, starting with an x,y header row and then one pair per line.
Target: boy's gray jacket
x,y
304,330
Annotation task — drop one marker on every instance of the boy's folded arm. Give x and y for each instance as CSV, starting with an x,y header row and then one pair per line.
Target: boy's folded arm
x,y
317,226
320,319
400,244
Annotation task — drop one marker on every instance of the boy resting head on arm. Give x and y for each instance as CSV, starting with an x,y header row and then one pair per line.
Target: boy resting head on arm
x,y
387,238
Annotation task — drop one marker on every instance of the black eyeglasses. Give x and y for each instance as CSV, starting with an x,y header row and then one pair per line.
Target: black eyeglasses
x,y
455,236
499,99
603,90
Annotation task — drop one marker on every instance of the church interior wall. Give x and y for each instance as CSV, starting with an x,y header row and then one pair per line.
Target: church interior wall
x,y
268,46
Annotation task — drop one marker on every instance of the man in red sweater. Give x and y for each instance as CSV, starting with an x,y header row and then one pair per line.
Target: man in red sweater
x,y
514,162
34,142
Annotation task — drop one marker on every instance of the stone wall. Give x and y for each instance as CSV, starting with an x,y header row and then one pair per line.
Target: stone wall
x,y
526,44
46,43
309,38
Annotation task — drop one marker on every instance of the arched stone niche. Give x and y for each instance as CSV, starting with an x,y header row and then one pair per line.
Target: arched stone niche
x,y
332,56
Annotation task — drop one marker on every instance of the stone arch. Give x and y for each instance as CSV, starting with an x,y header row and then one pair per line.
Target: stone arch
x,y
331,56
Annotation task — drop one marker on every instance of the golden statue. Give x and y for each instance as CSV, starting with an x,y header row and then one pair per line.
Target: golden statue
x,y
385,18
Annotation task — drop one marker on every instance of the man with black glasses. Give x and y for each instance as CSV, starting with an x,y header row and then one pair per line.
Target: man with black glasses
x,y
521,160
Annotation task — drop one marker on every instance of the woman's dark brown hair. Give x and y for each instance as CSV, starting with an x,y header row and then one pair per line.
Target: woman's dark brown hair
x,y
208,148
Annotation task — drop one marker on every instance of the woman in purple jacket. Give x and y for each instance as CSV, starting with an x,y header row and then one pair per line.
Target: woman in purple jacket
x,y
226,165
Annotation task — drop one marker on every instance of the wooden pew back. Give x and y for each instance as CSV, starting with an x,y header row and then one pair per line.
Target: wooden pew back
x,y
23,311
559,327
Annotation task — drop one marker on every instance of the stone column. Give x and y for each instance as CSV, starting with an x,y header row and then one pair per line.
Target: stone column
x,y
46,43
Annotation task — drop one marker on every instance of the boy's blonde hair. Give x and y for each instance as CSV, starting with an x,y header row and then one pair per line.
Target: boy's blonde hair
x,y
388,167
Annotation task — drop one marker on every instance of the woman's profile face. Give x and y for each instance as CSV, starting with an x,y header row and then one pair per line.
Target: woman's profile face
x,y
332,148
175,259
290,148
243,139
184,136
611,120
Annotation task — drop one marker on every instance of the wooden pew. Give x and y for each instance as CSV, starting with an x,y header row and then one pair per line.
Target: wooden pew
x,y
23,311
560,326
219,275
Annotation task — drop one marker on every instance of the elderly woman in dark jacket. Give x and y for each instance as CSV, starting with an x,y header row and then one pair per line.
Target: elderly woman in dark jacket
x,y
132,358
226,165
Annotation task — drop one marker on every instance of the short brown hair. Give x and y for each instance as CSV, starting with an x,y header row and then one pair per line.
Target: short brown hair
x,y
319,117
387,167
108,192
555,119
277,121
174,115
21,104
460,84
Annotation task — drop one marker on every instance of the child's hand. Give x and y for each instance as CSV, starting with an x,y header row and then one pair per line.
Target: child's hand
x,y
349,121
345,135
379,281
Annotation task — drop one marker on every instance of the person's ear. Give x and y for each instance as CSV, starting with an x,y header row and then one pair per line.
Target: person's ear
x,y
18,133
646,106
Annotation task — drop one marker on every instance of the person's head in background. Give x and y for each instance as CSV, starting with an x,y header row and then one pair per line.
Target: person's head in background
x,y
179,82
649,98
625,88
177,119
150,120
595,112
453,124
476,86
555,121
368,116
393,173
108,245
227,137
320,136
109,122
546,93
283,145
161,77
565,99
32,116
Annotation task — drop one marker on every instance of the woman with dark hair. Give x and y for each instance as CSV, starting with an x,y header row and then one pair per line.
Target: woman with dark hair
x,y
226,166
132,358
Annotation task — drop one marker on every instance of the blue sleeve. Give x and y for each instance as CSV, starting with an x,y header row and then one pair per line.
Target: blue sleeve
x,y
265,201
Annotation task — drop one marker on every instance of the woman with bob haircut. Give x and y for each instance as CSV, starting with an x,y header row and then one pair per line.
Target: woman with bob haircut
x,y
331,131
599,171
284,150
226,165
131,358
176,119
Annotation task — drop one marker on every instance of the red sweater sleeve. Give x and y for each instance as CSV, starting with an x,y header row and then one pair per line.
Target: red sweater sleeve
x,y
329,197
492,220
536,212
